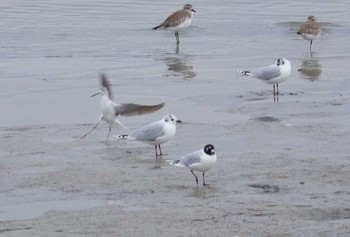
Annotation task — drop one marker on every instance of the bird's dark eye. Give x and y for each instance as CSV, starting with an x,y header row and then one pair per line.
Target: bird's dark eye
x,y
172,119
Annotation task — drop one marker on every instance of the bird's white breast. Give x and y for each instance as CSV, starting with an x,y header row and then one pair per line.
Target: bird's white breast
x,y
184,24
310,36
207,162
107,109
170,130
285,73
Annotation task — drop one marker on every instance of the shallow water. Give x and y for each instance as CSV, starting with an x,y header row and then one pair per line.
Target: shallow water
x,y
51,55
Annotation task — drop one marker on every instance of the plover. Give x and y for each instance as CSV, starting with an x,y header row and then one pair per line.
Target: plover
x,y
310,30
178,20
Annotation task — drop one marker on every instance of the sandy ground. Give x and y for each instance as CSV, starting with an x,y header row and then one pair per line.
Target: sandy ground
x,y
282,170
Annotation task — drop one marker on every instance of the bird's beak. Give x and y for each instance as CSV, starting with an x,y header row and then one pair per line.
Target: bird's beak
x,y
178,121
193,10
96,94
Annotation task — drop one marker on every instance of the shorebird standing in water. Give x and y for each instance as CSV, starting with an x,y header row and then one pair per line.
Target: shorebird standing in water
x,y
111,110
273,74
201,160
180,19
310,30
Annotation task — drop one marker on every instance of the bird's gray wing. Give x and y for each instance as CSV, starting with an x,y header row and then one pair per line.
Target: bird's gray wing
x,y
191,158
149,132
267,73
105,83
136,109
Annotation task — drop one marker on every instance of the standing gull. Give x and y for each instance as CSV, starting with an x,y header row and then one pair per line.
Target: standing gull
x,y
178,20
310,30
273,74
154,133
201,160
111,110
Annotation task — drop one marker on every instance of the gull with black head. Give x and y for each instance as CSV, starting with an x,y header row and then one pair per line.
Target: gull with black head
x,y
201,160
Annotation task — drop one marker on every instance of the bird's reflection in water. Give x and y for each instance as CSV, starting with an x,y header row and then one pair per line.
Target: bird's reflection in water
x,y
181,66
204,192
310,68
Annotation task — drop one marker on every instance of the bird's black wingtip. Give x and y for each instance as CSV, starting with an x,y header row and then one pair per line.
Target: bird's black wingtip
x,y
173,162
124,136
246,73
104,80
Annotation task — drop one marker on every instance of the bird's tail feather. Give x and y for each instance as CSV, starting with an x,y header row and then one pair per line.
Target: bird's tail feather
x,y
245,73
121,137
175,163
119,123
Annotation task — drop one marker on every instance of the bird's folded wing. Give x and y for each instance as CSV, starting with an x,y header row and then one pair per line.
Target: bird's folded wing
x,y
148,133
174,19
267,73
190,159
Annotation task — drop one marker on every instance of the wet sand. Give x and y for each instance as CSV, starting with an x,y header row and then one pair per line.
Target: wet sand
x,y
282,169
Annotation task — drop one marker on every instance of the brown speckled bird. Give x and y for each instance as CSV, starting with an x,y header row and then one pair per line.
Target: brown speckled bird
x,y
178,20
310,30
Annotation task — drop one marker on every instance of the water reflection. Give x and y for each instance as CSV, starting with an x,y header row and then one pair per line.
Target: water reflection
x,y
203,192
181,65
310,68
